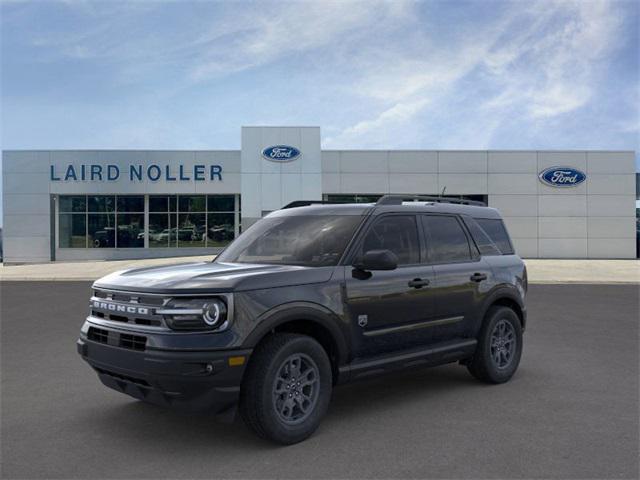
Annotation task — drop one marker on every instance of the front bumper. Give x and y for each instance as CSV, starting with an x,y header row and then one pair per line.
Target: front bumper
x,y
194,380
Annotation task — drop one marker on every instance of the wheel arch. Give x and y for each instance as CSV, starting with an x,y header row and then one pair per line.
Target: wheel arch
x,y
309,319
506,298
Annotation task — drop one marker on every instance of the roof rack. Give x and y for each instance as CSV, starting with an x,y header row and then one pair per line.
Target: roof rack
x,y
306,203
399,199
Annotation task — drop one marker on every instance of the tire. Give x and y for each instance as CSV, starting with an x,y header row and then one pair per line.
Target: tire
x,y
497,364
275,409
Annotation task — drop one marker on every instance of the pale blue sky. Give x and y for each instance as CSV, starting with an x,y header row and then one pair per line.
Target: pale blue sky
x,y
373,74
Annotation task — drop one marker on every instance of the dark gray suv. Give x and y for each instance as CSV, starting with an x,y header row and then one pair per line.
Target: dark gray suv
x,y
309,297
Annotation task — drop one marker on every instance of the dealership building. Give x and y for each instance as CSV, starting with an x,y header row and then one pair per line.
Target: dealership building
x,y
70,205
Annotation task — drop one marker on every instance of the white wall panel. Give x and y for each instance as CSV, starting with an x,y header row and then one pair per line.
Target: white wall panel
x,y
562,227
513,183
462,162
612,248
330,183
364,183
604,184
462,183
22,249
612,205
32,161
526,247
356,161
407,161
522,227
330,162
562,247
611,162
26,225
513,162
612,227
423,183
562,205
515,205
25,204
562,159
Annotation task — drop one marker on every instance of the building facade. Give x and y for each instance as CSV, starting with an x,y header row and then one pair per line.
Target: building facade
x,y
111,204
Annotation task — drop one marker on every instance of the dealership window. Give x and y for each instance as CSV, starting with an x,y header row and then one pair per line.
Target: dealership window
x,y
118,221
101,221
192,220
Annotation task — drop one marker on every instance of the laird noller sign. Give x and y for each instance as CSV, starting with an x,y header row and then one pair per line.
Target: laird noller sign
x,y
135,173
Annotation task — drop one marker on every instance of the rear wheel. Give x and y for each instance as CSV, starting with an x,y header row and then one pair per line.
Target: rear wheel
x,y
287,388
499,347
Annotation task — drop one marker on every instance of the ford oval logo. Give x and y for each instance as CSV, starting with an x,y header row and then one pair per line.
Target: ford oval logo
x,y
281,153
562,177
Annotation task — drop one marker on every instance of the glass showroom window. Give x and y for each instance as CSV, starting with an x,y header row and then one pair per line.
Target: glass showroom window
x,y
191,220
101,221
72,222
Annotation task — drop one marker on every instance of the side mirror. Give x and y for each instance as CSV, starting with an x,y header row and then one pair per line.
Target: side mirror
x,y
377,260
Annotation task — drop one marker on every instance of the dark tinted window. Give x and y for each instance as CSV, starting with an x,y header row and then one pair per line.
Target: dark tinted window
x,y
131,203
396,233
102,203
496,231
446,239
74,203
484,243
314,240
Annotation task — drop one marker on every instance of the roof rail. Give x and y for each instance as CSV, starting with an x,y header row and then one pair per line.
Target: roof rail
x,y
305,203
399,199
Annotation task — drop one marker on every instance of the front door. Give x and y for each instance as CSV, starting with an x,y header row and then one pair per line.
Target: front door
x,y
388,308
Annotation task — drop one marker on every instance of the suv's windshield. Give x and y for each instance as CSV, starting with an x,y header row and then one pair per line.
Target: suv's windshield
x,y
312,241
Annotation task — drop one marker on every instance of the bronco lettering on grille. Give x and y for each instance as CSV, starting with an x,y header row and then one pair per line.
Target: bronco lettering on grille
x,y
117,307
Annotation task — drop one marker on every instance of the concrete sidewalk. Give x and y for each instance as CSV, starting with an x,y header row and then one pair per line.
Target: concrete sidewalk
x,y
540,271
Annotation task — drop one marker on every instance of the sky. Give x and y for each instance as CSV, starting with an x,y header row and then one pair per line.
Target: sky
x,y
372,74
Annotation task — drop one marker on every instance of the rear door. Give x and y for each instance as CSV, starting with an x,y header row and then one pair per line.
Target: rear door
x,y
461,277
388,308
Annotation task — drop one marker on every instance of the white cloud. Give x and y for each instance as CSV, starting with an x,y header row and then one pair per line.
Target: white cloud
x,y
539,60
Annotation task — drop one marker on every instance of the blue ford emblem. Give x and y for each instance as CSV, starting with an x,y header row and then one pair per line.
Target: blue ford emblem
x,y
281,153
562,176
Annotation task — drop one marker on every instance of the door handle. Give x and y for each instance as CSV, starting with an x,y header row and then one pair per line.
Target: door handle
x,y
478,277
418,283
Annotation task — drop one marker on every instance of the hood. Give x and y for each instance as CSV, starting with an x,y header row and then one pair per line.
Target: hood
x,y
206,277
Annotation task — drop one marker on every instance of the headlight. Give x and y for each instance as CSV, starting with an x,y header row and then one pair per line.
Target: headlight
x,y
195,313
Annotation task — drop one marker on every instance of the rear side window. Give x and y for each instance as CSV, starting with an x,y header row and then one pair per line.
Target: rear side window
x,y
494,227
446,240
484,243
397,233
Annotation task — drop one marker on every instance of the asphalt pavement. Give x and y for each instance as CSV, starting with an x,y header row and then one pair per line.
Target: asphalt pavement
x,y
571,411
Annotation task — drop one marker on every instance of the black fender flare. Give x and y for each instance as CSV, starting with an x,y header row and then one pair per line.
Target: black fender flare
x,y
307,311
499,293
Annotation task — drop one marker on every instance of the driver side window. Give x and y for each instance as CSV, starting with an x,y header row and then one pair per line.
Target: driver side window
x,y
397,233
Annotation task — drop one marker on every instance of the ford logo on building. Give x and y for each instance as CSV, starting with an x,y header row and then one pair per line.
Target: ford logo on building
x,y
281,153
562,177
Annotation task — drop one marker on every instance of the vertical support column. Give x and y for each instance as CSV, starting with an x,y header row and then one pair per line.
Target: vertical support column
x,y
53,235
236,215
146,221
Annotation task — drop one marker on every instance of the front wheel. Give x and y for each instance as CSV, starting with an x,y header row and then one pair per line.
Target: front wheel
x,y
287,388
499,347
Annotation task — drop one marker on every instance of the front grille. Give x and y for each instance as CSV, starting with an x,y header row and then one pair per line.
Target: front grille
x,y
128,308
133,342
122,340
98,335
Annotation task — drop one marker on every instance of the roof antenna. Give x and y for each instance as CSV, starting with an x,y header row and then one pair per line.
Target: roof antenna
x,y
443,190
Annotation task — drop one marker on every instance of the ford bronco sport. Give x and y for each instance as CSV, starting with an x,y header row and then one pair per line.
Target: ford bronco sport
x,y
309,297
